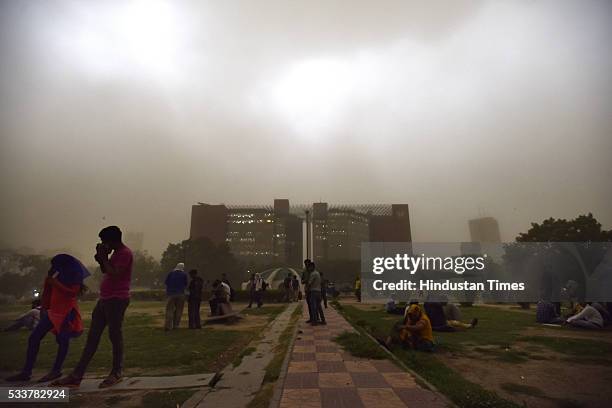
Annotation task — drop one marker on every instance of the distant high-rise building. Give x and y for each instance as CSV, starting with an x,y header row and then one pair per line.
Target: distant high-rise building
x,y
133,240
485,229
273,234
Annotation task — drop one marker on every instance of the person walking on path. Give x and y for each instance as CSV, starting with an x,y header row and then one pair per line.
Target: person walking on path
x,y
59,314
305,280
110,308
314,282
176,283
194,300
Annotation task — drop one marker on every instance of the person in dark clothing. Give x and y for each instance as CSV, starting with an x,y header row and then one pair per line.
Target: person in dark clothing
x,y
305,279
287,287
219,296
176,283
441,322
194,300
435,312
314,281
295,288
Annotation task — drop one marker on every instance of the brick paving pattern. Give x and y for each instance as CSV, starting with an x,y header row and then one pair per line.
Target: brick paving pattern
x,y
321,374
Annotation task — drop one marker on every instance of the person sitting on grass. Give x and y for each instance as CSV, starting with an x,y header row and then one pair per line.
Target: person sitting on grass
x,y
546,313
413,332
219,296
392,308
452,315
60,314
29,319
587,318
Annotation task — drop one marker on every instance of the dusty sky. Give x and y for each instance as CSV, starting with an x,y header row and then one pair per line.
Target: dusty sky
x,y
128,112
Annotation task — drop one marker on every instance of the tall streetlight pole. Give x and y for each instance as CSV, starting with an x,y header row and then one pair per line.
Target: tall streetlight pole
x,y
307,234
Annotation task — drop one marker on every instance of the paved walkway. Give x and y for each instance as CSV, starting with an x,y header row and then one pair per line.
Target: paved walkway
x,y
238,385
321,374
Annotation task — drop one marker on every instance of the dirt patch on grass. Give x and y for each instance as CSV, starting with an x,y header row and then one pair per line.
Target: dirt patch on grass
x,y
533,376
566,332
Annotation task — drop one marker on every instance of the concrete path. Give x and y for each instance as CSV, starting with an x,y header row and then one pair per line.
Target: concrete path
x,y
238,385
321,374
89,385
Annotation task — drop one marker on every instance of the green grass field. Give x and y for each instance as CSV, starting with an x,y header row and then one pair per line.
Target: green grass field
x,y
499,339
149,350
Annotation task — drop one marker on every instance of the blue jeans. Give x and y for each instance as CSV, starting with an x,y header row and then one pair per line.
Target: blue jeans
x,y
315,305
63,341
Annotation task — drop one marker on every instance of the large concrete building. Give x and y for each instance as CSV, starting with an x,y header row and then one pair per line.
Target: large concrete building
x,y
275,234
484,229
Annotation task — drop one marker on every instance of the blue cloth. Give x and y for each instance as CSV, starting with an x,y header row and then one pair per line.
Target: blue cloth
x,y
176,282
70,270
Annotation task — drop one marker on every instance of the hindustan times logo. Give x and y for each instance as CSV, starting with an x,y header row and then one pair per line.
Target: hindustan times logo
x,y
412,264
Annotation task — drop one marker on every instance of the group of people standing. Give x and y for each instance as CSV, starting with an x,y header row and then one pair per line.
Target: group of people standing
x,y
177,283
291,287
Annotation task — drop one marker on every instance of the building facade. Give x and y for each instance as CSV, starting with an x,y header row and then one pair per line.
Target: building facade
x,y
485,229
275,234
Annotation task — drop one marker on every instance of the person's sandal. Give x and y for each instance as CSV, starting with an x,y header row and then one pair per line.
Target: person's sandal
x,y
111,380
50,377
70,381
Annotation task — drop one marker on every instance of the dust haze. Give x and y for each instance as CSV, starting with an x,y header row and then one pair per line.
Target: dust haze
x,y
128,113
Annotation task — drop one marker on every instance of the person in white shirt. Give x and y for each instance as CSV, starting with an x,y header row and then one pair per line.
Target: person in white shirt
x,y
587,318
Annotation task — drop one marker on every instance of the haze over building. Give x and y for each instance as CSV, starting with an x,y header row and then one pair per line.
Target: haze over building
x,y
275,234
484,229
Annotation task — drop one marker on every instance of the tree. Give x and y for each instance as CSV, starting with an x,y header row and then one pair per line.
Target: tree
x,y
29,274
145,270
537,254
210,259
584,228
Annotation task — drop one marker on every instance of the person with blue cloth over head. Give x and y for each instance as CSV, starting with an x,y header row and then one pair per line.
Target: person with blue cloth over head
x,y
176,283
59,314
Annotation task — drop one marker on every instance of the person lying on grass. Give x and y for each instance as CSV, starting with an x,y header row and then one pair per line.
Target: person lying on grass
x,y
413,332
29,319
440,322
59,314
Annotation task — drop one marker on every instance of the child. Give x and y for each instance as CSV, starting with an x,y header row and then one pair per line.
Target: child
x,y
60,314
